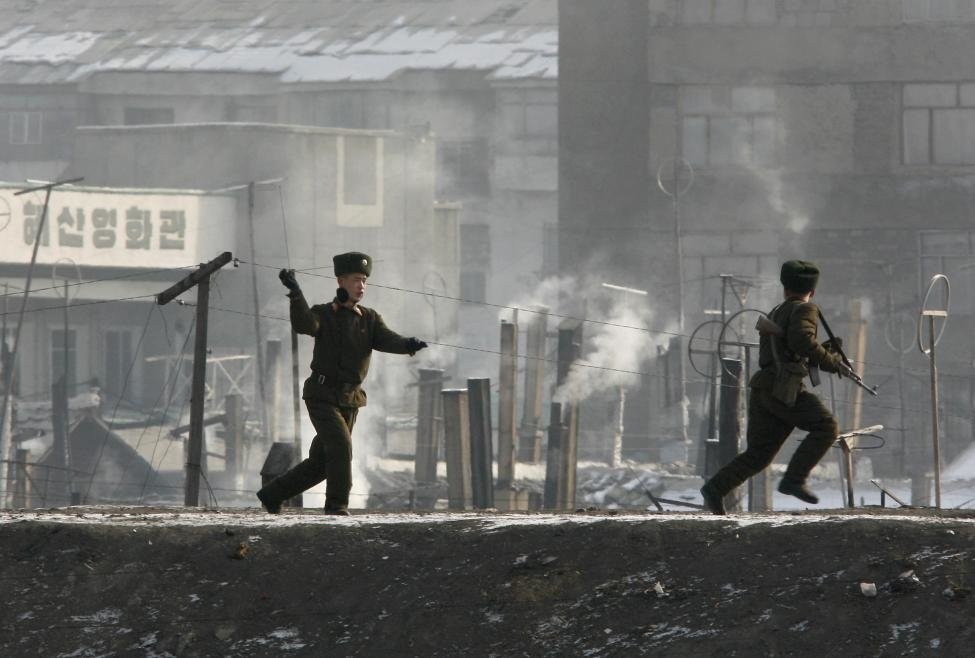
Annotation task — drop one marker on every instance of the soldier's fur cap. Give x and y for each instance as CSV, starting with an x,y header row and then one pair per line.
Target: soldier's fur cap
x,y
353,262
799,276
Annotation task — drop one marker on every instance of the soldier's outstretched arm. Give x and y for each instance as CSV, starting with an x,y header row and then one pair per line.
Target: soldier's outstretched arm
x,y
385,339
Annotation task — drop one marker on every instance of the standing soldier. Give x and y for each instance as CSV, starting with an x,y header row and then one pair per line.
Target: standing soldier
x,y
345,335
778,402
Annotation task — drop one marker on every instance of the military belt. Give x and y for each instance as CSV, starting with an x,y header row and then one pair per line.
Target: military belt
x,y
324,380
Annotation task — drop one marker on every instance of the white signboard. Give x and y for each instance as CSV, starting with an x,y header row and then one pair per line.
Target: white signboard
x,y
116,227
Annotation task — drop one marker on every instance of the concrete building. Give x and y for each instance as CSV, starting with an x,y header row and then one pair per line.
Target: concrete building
x,y
839,131
477,78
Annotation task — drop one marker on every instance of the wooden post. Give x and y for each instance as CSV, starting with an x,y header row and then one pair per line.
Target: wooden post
x,y
457,440
859,336
234,443
428,431
61,492
194,455
506,404
529,436
729,425
556,432
570,349
259,342
479,405
201,279
272,361
21,498
760,492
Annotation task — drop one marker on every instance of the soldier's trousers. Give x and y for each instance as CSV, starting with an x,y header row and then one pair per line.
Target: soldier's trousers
x,y
329,458
769,424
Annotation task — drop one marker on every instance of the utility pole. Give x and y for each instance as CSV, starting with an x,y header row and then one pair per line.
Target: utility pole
x,y
200,279
8,371
257,313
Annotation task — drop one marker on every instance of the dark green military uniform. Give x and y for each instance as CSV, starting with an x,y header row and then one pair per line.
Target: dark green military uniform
x,y
779,402
344,340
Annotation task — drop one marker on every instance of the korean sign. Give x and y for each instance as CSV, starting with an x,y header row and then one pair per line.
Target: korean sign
x,y
116,228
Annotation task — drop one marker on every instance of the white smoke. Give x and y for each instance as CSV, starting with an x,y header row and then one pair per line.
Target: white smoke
x,y
616,352
616,348
771,179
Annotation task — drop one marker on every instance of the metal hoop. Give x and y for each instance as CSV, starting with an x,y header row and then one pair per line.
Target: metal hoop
x,y
64,260
691,351
740,343
678,192
925,311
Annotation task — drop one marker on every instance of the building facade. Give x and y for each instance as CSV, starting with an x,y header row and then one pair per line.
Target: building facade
x,y
836,131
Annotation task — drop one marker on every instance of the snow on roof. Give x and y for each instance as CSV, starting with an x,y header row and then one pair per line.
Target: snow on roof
x,y
298,41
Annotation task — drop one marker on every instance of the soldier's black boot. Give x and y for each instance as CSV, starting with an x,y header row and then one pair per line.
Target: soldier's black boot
x,y
713,500
272,506
799,490
336,510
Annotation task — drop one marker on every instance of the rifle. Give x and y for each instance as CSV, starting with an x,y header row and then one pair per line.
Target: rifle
x,y
839,350
765,325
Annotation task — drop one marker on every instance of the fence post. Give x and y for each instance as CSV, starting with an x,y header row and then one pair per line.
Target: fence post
x,y
272,367
457,444
729,426
428,429
529,436
233,405
479,404
553,459
570,349
21,497
506,404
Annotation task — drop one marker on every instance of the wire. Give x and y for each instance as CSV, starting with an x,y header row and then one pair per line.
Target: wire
x,y
109,278
77,304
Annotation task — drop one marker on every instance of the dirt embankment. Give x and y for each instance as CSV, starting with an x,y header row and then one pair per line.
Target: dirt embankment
x,y
158,583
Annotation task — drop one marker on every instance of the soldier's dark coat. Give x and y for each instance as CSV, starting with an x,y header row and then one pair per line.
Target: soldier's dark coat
x,y
344,341
778,401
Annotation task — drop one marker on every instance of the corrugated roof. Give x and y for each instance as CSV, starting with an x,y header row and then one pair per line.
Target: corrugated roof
x,y
50,41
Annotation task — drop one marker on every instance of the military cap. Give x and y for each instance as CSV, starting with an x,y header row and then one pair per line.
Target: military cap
x,y
799,276
353,262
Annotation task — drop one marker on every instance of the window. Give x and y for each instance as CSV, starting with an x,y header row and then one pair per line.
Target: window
x,y
550,249
722,125
6,345
26,127
950,252
938,124
475,261
147,116
463,169
728,12
118,360
938,10
64,356
530,113
360,171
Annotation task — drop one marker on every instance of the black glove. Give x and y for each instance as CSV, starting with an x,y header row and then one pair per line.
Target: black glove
x,y
414,345
833,345
288,279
